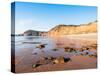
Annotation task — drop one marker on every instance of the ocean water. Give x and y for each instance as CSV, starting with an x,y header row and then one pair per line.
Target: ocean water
x,y
30,43
21,39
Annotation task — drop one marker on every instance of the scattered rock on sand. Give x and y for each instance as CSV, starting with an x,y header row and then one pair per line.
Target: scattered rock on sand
x,y
41,46
34,53
61,60
67,59
55,49
93,55
48,60
68,49
35,65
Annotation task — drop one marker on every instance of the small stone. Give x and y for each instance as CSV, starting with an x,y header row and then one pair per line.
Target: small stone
x,y
35,65
61,60
34,53
67,59
41,46
55,49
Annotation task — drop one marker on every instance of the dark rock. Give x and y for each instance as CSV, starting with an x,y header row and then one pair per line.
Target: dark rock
x,y
55,49
61,60
41,46
67,59
35,65
49,58
34,53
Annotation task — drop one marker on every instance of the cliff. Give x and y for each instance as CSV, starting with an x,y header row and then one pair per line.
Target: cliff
x,y
65,30
73,29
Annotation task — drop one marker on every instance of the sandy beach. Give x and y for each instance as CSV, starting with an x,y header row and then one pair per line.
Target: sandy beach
x,y
28,54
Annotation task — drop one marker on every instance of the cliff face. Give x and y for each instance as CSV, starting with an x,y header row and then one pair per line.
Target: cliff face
x,y
73,29
65,30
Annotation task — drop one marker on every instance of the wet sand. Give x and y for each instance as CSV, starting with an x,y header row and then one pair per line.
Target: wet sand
x,y
25,57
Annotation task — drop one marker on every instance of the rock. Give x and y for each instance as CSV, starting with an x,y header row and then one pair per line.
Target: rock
x,y
67,59
67,49
49,58
81,49
41,46
35,65
34,53
61,60
55,49
93,55
85,52
56,61
87,48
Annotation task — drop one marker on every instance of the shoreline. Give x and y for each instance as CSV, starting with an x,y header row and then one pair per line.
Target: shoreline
x,y
24,57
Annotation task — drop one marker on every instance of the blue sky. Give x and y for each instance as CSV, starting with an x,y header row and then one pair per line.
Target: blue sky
x,y
43,17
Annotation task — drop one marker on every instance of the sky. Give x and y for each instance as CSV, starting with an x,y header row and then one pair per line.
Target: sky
x,y
43,17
